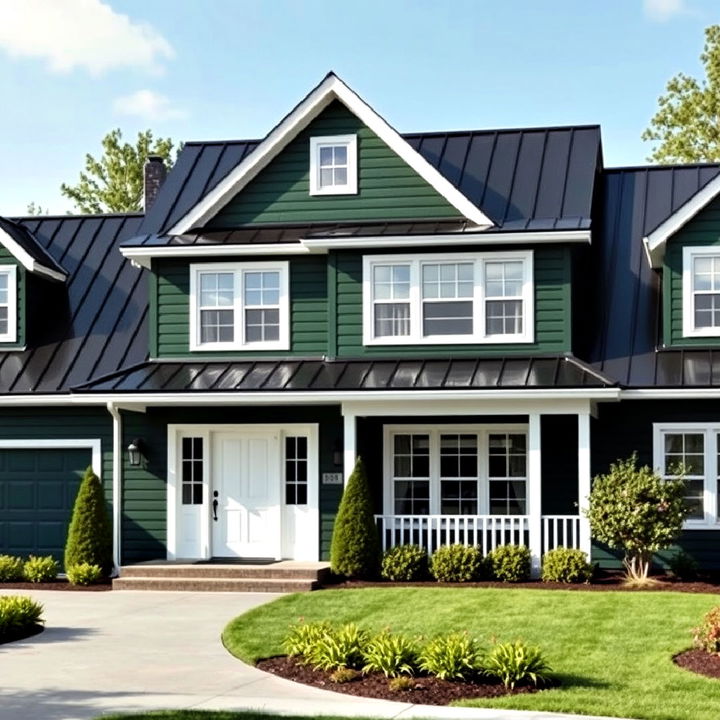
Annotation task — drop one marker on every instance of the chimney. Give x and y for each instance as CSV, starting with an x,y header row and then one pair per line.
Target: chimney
x,y
155,173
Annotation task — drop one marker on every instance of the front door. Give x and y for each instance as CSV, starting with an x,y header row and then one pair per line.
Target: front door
x,y
245,502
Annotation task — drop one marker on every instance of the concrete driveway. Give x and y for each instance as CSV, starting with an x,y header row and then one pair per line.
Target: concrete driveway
x,y
134,651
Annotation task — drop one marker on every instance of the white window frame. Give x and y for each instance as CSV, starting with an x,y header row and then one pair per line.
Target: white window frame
x,y
350,143
688,291
239,342
482,431
12,303
710,432
479,335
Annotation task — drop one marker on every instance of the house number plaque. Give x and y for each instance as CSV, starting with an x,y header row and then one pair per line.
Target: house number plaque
x,y
332,478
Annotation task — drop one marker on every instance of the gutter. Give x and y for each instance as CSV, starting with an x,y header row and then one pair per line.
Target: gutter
x,y
117,483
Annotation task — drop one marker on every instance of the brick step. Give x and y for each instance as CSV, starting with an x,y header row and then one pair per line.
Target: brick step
x,y
212,584
230,572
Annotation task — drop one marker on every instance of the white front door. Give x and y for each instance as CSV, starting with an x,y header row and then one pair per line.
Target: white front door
x,y
245,502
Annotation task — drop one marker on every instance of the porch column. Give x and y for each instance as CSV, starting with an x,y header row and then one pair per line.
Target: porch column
x,y
535,492
584,479
349,444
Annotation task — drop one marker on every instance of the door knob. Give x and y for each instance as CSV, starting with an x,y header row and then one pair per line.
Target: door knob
x,y
215,505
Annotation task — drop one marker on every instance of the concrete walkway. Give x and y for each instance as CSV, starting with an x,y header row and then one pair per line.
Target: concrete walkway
x,y
136,651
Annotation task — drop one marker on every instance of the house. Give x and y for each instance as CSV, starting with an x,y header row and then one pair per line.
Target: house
x,y
488,317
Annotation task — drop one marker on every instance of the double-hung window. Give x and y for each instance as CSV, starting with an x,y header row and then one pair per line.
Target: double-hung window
x,y
8,303
239,306
701,291
694,449
448,299
333,165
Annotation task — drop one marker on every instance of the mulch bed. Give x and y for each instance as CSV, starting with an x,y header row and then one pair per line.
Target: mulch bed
x,y
699,661
427,690
57,585
21,634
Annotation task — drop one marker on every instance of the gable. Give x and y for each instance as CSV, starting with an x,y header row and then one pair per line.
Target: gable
x,y
388,188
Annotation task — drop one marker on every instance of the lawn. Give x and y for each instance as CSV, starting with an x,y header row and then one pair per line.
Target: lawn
x,y
612,651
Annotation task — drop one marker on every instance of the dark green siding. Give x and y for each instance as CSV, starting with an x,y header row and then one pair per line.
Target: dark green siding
x,y
308,308
704,229
388,189
144,488
6,258
552,311
624,428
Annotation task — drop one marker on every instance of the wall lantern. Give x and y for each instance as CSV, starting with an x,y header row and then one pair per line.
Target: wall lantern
x,y
135,452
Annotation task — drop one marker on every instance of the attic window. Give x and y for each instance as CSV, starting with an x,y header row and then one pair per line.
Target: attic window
x,y
333,165
701,291
8,303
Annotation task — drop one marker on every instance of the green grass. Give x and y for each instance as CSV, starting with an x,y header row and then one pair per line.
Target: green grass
x,y
612,651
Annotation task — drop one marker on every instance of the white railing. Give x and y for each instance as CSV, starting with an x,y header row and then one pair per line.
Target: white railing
x,y
560,531
432,531
483,531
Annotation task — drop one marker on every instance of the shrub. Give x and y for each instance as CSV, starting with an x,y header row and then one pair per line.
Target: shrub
x,y
338,648
635,510
509,563
84,574
18,613
707,635
344,675
390,654
515,663
40,569
456,563
11,568
355,548
683,566
455,656
402,683
566,565
90,535
404,563
303,637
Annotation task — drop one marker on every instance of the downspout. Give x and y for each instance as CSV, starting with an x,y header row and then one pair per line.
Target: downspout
x,y
117,482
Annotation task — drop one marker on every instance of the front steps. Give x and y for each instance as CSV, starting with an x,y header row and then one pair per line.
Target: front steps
x,y
280,577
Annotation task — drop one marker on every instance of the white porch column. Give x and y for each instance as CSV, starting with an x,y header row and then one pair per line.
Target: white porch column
x,y
584,479
349,444
535,492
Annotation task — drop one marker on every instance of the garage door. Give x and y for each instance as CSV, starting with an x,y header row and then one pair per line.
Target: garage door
x,y
37,493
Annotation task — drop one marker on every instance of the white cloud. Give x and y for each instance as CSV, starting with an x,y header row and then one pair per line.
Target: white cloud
x,y
87,34
147,105
664,10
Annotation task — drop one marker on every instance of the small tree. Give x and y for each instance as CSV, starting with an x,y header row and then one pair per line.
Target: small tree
x,y
635,510
90,534
355,549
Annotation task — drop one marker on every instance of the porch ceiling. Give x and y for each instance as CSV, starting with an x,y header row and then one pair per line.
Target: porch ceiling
x,y
559,372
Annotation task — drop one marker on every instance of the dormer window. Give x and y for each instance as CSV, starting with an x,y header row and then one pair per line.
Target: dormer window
x,y
8,303
701,291
333,165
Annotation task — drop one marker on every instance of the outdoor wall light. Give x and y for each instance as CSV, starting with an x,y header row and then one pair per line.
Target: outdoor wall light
x,y
135,452
337,454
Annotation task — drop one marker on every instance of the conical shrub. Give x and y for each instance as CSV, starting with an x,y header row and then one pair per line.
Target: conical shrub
x,y
90,535
355,549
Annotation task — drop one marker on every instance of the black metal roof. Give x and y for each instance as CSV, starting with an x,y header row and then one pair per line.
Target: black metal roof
x,y
30,244
627,326
320,375
523,179
93,324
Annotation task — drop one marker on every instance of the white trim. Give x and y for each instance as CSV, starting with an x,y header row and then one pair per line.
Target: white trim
x,y
117,465
710,431
479,262
141,256
26,260
349,444
584,481
13,306
239,270
683,393
350,144
93,444
330,89
656,240
534,492
690,252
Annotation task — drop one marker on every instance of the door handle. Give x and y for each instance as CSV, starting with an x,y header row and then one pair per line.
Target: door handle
x,y
215,506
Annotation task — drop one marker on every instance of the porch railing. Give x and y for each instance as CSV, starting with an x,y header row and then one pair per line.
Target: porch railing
x,y
483,531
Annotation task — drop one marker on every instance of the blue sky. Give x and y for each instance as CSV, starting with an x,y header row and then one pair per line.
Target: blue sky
x,y
71,70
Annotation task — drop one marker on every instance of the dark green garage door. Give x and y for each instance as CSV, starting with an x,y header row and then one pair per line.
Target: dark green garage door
x,y
37,492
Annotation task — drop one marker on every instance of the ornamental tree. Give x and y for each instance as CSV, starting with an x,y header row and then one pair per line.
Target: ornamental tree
x,y
635,510
355,549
